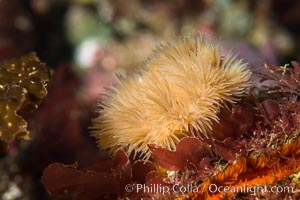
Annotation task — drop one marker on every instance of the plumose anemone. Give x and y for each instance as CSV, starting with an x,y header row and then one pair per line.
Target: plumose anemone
x,y
182,86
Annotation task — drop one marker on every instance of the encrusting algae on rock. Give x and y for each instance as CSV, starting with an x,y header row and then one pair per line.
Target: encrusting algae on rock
x,y
182,86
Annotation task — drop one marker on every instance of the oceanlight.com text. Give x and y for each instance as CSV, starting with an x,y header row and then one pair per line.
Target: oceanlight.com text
x,y
210,188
